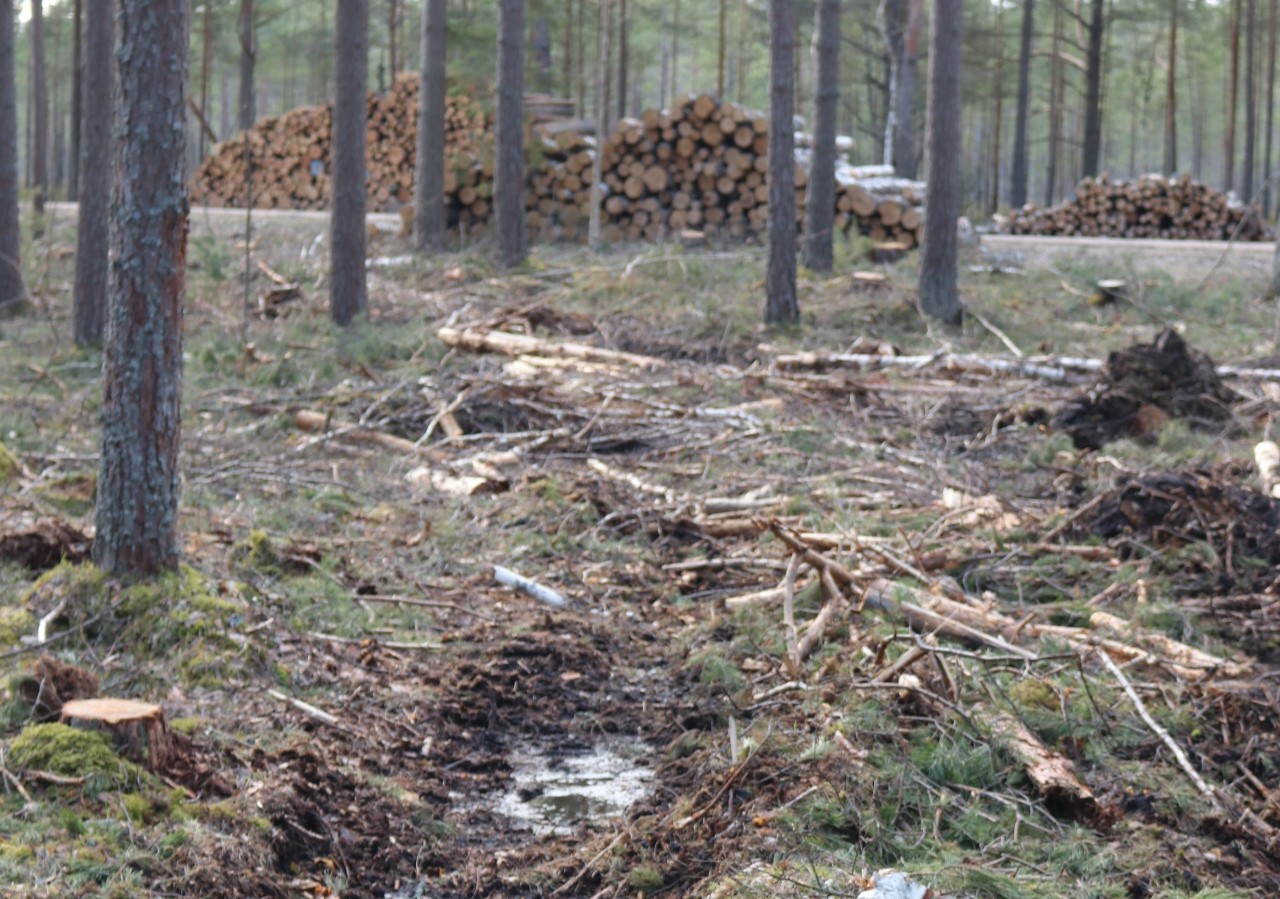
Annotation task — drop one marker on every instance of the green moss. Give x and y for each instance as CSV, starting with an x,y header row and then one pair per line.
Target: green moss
x,y
72,753
176,616
10,467
185,725
13,624
646,878
258,551
138,808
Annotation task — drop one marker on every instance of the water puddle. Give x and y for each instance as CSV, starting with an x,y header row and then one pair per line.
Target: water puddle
x,y
558,793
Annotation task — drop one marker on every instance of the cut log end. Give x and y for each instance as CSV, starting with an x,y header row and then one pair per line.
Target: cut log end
x,y
136,729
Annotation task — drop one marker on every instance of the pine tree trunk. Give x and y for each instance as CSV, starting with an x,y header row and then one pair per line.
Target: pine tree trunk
x,y
664,62
742,51
77,68
206,53
1055,106
566,71
429,163
624,60
780,276
1271,96
720,48
1233,98
819,208
1093,91
542,52
12,291
1018,177
248,52
675,49
1171,95
938,294
137,498
508,182
40,109
993,201
393,44
348,297
92,230
582,59
600,114
904,117
1250,95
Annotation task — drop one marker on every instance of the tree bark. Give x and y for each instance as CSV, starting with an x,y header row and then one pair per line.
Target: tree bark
x,y
542,52
248,54
742,51
77,67
600,114
508,182
1270,123
137,499
664,60
1171,95
780,276
819,207
993,201
12,290
582,59
720,48
393,44
566,60
348,297
428,214
624,58
1233,97
92,279
938,293
1055,106
1250,97
40,109
904,117
1018,177
1093,91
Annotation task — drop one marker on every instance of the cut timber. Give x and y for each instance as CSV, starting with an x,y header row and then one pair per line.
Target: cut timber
x,y
137,729
1266,457
478,341
1051,772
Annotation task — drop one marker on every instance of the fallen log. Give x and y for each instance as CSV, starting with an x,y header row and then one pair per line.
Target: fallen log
x,y
1051,772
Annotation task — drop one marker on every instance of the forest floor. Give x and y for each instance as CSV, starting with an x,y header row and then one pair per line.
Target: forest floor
x,y
363,711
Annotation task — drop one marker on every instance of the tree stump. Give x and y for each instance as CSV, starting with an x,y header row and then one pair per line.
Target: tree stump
x,y
137,729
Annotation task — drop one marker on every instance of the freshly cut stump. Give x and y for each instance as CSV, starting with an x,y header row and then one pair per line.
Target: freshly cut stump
x,y
137,729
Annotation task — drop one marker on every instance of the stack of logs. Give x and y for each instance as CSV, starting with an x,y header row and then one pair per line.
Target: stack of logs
x,y
1151,206
290,154
700,166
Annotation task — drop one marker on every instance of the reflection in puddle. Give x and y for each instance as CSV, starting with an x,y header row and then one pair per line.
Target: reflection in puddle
x,y
555,795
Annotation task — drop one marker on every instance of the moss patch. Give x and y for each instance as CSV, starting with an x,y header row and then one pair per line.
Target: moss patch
x,y
13,624
70,752
177,617
10,467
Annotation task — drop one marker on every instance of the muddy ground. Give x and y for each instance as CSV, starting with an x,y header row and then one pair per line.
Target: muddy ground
x,y
357,695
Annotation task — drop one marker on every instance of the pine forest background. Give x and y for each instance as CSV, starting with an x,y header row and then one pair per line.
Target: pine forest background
x,y
1221,50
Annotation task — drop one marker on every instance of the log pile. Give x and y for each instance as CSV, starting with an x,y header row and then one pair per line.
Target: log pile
x,y
290,154
1151,206
700,166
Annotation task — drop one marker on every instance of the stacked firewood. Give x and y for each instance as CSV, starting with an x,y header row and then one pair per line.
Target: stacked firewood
x,y
289,154
700,166
1178,208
